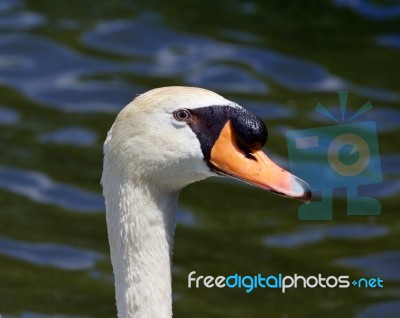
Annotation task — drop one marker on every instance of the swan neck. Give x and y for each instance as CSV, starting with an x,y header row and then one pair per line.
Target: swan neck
x,y
141,223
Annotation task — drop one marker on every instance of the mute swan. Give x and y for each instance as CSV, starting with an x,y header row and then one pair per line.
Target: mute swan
x,y
162,141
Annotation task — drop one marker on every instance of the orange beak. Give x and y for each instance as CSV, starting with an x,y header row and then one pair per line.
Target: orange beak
x,y
256,169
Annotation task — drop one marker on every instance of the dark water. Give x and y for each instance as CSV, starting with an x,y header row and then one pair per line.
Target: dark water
x,y
66,69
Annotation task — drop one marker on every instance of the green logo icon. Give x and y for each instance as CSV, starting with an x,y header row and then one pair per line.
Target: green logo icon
x,y
343,155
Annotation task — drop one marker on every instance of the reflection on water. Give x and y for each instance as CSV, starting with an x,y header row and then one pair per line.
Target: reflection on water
x,y
65,71
42,77
385,264
200,60
49,254
314,234
227,79
370,10
389,40
77,136
386,119
377,93
40,188
268,110
387,309
7,5
18,20
8,116
27,314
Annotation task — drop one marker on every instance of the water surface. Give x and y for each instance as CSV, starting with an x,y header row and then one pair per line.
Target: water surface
x,y
67,69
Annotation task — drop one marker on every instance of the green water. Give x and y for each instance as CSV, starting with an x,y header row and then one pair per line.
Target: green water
x,y
67,68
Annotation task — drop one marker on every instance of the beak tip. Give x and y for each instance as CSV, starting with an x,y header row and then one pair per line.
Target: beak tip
x,y
302,188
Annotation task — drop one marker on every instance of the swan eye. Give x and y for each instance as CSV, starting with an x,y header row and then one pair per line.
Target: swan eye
x,y
182,114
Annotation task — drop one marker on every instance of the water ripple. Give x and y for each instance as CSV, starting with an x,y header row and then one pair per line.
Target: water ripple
x,y
370,10
386,118
387,309
8,5
21,21
40,188
49,254
42,77
377,93
127,38
30,314
389,40
385,264
268,110
8,116
227,79
71,135
164,52
309,235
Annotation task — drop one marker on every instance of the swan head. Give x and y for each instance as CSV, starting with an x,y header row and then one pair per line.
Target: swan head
x,y
174,136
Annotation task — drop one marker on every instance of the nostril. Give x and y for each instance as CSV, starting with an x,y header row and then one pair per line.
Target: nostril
x,y
249,129
247,151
